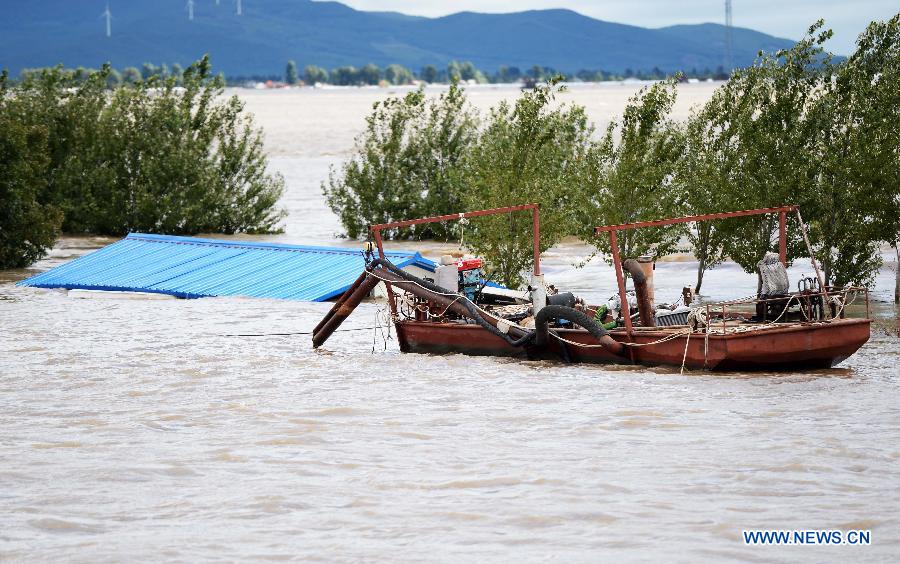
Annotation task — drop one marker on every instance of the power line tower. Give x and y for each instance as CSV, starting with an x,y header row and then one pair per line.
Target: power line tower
x,y
108,15
190,9
729,42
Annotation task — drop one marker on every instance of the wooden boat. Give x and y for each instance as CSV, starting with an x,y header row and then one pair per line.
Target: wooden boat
x,y
785,331
788,346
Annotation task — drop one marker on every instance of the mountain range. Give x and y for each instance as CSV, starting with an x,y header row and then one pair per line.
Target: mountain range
x,y
268,33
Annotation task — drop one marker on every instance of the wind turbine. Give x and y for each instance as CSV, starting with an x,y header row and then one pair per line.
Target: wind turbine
x,y
108,15
240,11
190,9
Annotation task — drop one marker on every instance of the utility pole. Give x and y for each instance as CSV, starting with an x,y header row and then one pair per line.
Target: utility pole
x,y
729,44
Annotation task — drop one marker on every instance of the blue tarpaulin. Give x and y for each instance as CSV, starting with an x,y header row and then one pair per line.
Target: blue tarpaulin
x,y
189,267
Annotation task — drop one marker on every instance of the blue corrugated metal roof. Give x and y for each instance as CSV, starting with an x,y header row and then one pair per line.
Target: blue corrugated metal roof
x,y
189,267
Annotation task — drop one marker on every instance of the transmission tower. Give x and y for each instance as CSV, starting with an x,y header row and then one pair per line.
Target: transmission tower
x,y
729,43
190,9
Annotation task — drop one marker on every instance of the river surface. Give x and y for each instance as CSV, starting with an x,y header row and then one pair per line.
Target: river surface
x,y
139,430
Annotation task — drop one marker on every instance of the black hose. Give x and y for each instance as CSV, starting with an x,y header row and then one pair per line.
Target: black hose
x,y
562,299
542,320
464,301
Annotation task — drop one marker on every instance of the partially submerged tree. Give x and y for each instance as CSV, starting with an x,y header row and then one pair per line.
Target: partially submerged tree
x,y
627,175
866,97
150,156
290,73
527,153
760,130
407,163
703,187
28,228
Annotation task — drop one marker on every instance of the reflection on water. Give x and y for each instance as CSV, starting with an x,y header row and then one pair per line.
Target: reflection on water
x,y
135,427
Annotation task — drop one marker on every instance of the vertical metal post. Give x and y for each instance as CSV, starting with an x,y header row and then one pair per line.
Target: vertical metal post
x,y
536,228
620,278
782,237
390,294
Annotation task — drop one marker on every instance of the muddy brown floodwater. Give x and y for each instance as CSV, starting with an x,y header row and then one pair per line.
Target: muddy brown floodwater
x,y
136,430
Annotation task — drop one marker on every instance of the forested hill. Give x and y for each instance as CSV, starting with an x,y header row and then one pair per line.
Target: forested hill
x,y
38,33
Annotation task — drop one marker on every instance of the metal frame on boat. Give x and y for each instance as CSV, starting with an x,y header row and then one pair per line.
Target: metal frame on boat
x,y
731,335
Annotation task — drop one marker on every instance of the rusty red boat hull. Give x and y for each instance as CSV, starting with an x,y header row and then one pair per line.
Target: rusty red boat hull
x,y
789,347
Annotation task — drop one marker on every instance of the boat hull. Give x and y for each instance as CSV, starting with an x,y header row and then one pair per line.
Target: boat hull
x,y
788,347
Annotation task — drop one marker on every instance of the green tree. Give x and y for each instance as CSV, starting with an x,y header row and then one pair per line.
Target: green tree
x,y
398,74
528,152
762,132
406,164
866,98
370,74
150,156
345,76
131,75
114,79
627,175
468,72
313,75
429,74
178,74
149,70
454,72
290,73
703,186
28,228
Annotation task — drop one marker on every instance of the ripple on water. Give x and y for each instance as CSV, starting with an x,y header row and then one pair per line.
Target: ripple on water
x,y
141,430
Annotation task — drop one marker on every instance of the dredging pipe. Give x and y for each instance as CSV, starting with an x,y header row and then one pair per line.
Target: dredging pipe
x,y
343,308
644,301
542,327
383,270
337,305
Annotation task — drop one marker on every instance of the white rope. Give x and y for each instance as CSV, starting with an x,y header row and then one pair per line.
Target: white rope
x,y
598,346
684,358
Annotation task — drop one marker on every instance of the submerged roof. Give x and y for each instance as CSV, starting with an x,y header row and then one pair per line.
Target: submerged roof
x,y
189,267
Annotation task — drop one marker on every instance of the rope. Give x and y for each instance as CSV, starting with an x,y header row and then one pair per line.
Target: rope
x,y
380,318
599,346
290,334
812,257
462,231
684,358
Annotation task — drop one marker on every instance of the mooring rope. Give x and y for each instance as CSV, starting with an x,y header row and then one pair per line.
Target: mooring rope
x,y
292,333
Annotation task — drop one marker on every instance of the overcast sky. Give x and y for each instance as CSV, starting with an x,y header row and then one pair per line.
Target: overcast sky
x,y
782,18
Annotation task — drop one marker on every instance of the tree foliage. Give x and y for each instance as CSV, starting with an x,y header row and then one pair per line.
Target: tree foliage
x,y
290,73
28,227
527,153
795,127
313,75
864,163
150,156
627,175
407,163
